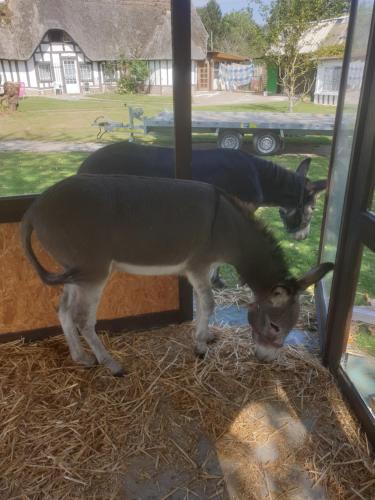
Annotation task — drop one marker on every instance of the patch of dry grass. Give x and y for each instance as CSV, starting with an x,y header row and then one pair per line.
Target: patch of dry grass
x,y
70,432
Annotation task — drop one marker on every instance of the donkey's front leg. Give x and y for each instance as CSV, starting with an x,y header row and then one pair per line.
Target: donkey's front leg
x,y
200,281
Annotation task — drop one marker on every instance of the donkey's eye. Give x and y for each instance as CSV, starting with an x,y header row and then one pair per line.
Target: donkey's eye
x,y
275,327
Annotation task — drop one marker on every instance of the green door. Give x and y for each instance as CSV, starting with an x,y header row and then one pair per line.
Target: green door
x,y
272,78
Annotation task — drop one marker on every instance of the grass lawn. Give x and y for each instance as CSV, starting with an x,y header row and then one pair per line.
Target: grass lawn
x,y
48,119
29,173
364,339
51,119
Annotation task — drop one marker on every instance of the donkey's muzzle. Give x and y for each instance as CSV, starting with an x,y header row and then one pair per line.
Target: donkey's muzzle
x,y
267,352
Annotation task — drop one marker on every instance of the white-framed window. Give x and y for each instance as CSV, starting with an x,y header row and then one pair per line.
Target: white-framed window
x,y
85,72
45,72
70,71
109,72
331,79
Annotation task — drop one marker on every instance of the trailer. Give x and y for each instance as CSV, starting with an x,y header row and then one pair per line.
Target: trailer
x,y
268,129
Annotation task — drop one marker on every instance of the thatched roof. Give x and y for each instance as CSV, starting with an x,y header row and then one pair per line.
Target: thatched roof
x,y
104,29
326,33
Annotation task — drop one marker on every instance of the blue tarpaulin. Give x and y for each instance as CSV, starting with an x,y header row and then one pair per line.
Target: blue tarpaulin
x,y
235,75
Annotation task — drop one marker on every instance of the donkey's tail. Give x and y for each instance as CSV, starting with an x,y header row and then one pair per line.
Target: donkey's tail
x,y
47,277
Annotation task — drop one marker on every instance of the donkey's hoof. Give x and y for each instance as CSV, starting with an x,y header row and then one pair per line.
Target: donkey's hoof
x,y
119,373
115,368
210,337
200,350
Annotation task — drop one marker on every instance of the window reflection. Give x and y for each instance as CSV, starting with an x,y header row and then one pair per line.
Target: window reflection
x,y
359,358
344,135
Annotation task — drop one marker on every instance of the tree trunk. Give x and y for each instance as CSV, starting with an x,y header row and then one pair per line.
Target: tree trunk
x,y
290,104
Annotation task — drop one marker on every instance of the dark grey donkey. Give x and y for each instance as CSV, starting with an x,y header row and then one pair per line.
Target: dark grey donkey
x,y
93,224
252,181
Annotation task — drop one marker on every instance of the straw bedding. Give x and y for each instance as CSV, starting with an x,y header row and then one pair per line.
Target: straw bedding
x,y
243,296
70,432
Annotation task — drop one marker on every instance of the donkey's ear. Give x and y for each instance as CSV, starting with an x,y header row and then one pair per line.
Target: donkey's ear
x,y
315,274
316,187
279,296
303,167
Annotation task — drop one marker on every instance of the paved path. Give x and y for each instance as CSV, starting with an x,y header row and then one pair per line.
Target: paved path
x,y
49,147
71,147
199,98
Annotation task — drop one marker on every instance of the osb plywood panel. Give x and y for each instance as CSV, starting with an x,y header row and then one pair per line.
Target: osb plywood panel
x,y
27,304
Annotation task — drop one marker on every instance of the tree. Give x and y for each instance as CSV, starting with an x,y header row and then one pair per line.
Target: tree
x,y
211,17
288,21
241,35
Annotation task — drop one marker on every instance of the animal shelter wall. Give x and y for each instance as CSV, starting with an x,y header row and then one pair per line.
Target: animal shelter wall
x,y
26,304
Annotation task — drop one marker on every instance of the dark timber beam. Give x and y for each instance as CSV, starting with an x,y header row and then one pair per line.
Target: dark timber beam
x,y
181,50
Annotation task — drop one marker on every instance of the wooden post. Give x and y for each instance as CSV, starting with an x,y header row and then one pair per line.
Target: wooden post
x,y
181,50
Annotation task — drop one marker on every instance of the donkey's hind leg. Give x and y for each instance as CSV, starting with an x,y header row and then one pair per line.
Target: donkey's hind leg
x,y
88,296
69,328
216,281
200,281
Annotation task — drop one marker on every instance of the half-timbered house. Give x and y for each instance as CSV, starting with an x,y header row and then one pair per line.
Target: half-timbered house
x,y
71,46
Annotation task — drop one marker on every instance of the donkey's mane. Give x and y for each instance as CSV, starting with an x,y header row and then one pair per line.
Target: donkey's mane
x,y
276,251
277,179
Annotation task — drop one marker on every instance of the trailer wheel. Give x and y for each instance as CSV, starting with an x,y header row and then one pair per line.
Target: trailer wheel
x,y
267,143
230,140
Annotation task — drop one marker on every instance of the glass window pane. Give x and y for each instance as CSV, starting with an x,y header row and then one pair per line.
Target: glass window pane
x,y
45,73
78,96
344,138
85,70
70,71
359,357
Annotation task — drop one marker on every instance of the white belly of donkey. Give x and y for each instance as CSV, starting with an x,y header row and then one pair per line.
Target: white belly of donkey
x,y
149,270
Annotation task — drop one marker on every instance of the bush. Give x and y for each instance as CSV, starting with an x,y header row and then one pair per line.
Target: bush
x,y
133,74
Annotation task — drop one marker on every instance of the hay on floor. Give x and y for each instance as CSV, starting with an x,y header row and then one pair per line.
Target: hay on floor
x,y
243,296
70,432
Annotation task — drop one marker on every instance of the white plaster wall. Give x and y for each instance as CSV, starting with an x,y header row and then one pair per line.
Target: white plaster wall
x,y
32,75
194,73
8,72
95,70
13,69
161,73
22,72
55,59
